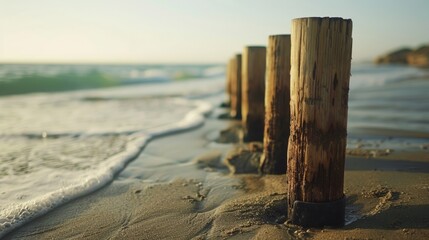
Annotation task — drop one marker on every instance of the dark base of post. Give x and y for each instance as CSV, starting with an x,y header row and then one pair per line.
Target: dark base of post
x,y
226,116
254,130
225,104
318,215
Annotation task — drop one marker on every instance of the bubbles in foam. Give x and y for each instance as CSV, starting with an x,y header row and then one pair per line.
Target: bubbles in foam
x,y
98,172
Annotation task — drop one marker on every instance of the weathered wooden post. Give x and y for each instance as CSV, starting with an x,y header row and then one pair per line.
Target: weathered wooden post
x,y
236,86
228,75
253,91
320,73
277,113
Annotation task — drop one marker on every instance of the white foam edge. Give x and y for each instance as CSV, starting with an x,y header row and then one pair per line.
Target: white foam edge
x,y
20,214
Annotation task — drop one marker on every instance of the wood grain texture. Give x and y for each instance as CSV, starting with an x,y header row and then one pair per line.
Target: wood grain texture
x,y
236,87
277,113
320,73
253,91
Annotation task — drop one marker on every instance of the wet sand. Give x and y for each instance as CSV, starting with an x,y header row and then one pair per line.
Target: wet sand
x,y
181,187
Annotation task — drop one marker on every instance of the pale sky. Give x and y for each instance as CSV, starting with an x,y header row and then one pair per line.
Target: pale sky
x,y
190,31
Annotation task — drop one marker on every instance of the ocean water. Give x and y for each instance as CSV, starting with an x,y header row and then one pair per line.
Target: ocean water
x,y
61,145
391,97
57,145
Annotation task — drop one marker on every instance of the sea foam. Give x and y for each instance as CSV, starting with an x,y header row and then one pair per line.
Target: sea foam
x,y
18,214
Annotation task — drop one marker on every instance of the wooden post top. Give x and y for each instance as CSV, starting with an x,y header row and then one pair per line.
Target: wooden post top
x,y
344,24
322,18
254,47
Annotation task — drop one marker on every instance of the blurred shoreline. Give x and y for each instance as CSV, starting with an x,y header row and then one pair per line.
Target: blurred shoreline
x,y
39,78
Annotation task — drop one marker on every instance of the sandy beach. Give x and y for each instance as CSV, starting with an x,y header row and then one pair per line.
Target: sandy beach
x,y
180,188
214,120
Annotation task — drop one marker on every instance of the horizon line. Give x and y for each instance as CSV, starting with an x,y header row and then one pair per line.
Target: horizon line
x,y
123,63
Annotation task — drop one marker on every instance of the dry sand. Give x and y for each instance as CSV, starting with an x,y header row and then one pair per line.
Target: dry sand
x,y
179,188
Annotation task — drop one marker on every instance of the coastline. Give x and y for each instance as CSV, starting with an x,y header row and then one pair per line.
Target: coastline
x,y
178,188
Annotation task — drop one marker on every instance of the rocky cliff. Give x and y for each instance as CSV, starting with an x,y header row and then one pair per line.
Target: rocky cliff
x,y
418,57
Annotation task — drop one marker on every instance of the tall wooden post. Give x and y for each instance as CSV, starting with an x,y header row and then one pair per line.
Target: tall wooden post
x,y
320,73
277,97
253,91
236,87
228,80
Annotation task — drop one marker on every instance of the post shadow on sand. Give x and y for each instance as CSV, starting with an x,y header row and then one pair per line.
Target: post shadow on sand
x,y
362,164
394,217
399,217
